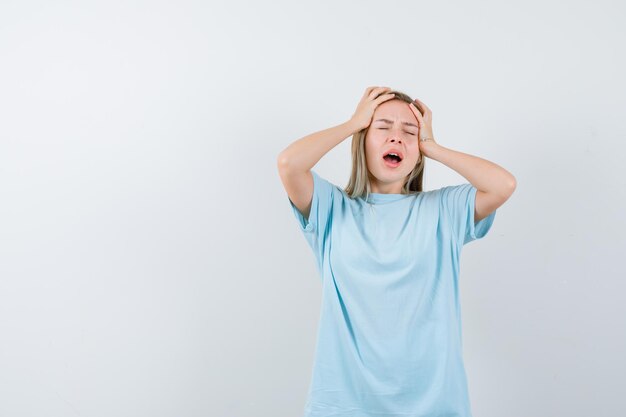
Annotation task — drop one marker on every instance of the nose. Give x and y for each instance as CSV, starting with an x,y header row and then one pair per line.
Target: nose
x,y
394,135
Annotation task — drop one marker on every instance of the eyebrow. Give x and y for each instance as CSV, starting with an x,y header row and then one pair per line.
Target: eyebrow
x,y
390,122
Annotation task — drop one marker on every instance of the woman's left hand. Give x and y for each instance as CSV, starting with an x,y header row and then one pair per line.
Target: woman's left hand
x,y
424,117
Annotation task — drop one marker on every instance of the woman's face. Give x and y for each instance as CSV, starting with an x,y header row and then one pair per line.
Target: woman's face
x,y
393,127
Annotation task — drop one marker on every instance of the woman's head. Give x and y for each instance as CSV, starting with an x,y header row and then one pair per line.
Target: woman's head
x,y
394,127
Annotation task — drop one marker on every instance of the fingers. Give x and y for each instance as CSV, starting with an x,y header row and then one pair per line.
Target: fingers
x,y
415,110
368,91
384,97
376,91
417,113
423,107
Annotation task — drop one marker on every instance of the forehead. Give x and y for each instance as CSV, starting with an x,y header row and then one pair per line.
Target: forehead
x,y
395,111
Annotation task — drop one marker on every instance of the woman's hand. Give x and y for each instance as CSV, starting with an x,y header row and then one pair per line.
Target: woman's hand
x,y
425,120
372,97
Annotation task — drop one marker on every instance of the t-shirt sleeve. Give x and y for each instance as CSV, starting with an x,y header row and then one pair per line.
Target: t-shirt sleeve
x,y
315,227
458,203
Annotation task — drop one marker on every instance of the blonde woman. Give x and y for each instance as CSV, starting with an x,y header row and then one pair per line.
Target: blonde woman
x,y
389,338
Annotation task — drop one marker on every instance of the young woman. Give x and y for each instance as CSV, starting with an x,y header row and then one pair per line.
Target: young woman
x,y
389,339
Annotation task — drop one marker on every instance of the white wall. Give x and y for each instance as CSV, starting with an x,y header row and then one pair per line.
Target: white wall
x,y
149,261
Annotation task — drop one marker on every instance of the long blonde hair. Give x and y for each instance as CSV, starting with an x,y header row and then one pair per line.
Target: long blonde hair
x,y
359,185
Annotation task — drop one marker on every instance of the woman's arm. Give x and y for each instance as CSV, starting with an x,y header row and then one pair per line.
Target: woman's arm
x,y
295,163
297,159
494,183
482,174
304,153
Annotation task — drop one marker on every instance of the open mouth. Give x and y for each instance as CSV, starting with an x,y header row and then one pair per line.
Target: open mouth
x,y
392,159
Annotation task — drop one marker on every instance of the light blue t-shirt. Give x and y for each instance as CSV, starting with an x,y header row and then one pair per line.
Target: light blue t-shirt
x,y
389,336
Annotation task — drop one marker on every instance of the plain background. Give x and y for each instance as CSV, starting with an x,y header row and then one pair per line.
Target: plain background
x,y
150,264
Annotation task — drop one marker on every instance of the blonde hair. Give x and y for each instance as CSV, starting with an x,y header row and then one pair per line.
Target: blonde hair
x,y
359,185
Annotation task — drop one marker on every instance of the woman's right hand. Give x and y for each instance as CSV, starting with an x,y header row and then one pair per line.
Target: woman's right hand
x,y
372,97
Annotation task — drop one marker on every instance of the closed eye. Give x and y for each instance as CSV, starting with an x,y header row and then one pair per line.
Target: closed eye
x,y
384,128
